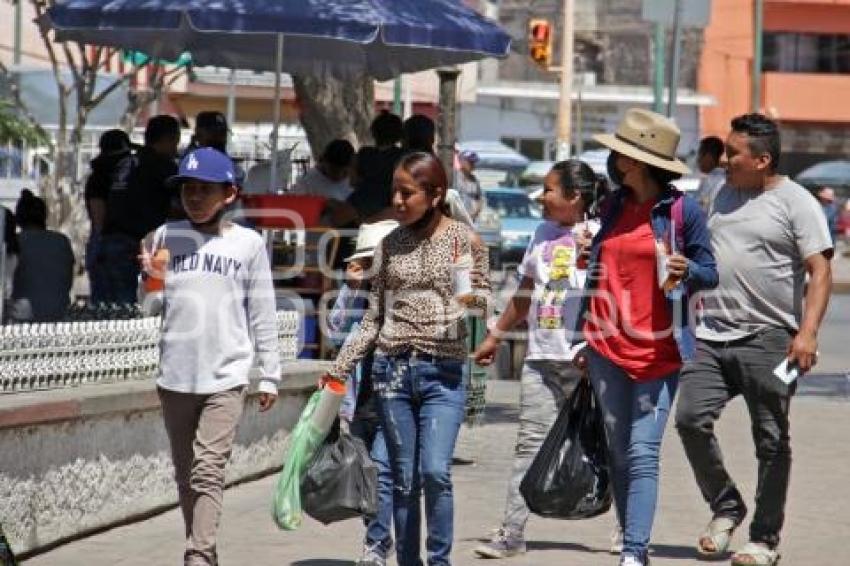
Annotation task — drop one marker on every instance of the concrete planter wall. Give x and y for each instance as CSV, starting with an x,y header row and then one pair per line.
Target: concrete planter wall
x,y
78,460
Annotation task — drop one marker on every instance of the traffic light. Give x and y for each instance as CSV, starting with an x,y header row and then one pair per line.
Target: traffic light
x,y
540,41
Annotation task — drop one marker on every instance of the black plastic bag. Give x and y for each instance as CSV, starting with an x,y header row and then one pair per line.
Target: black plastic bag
x,y
568,479
341,481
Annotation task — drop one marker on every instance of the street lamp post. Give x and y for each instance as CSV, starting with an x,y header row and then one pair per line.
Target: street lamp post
x,y
564,104
758,25
674,60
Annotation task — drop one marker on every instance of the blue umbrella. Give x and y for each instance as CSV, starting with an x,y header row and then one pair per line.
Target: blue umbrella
x,y
381,38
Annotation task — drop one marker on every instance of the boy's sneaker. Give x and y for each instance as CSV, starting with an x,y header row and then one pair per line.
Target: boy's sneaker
x,y
372,556
504,544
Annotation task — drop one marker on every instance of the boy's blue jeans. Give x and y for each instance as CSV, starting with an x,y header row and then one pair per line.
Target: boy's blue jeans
x,y
421,402
377,527
635,416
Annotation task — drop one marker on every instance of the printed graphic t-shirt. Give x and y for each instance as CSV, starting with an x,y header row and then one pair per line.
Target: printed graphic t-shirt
x,y
550,261
219,311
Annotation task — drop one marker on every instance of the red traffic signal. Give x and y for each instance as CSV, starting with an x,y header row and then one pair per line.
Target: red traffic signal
x,y
540,41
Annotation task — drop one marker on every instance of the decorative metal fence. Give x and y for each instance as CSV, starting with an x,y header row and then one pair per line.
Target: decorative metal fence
x,y
67,354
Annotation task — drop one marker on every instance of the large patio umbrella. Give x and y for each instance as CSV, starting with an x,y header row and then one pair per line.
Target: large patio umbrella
x,y
381,38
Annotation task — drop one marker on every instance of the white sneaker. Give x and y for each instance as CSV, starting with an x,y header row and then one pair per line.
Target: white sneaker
x,y
631,560
372,556
616,540
504,544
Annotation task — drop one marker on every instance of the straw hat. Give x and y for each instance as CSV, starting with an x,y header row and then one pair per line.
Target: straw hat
x,y
369,236
648,137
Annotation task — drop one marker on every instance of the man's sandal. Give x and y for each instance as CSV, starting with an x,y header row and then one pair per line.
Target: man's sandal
x,y
714,541
755,554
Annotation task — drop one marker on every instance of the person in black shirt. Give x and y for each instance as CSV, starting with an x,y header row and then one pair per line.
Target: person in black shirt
x,y
420,134
138,200
374,166
114,146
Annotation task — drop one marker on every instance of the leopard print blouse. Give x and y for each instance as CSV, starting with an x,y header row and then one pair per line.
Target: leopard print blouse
x,y
411,300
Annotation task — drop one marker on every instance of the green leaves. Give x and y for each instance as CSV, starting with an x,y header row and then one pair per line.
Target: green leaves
x,y
15,128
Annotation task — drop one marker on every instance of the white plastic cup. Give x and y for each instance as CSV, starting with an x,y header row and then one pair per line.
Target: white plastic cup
x,y
461,280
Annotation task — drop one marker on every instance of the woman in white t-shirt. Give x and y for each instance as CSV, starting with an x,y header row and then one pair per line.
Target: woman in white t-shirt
x,y
548,297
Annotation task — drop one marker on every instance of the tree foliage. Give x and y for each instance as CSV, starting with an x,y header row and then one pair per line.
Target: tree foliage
x,y
14,128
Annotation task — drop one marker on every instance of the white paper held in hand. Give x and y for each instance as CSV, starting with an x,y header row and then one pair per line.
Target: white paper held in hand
x,y
785,372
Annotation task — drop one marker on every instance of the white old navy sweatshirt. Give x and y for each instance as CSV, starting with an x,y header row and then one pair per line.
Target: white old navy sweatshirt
x,y
218,310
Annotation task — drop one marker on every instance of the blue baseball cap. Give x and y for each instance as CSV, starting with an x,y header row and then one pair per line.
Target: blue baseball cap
x,y
470,156
205,164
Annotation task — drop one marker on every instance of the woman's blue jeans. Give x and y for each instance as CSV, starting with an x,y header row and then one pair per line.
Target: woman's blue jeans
x,y
421,402
635,416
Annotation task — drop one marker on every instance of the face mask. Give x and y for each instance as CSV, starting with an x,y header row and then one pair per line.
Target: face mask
x,y
613,173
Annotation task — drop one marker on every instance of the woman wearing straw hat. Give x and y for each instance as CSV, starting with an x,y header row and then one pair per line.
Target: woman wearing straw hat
x,y
651,253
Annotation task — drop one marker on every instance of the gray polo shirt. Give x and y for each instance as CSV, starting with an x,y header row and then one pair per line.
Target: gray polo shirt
x,y
761,240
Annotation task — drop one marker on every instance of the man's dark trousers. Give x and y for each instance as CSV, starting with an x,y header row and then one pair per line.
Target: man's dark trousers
x,y
719,372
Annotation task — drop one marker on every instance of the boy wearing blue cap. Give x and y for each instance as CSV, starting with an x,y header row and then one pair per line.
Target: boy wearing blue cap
x,y
218,317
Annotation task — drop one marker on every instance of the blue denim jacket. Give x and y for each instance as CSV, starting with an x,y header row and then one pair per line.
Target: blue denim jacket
x,y
702,270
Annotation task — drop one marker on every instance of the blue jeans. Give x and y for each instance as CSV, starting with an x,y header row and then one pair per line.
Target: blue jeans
x,y
635,416
377,527
421,402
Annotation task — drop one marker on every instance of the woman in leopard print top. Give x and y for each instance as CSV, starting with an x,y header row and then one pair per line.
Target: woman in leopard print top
x,y
416,325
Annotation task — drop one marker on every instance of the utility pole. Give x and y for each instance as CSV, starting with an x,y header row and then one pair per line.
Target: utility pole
x,y
447,119
231,98
758,26
677,53
658,71
18,22
567,34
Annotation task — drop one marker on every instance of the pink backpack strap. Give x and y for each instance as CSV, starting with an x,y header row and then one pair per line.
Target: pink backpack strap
x,y
677,216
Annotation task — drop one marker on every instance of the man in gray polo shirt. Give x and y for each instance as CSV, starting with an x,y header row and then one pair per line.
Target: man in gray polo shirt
x,y
767,233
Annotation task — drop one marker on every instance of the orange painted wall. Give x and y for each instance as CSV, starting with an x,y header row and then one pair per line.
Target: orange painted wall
x,y
798,97
725,62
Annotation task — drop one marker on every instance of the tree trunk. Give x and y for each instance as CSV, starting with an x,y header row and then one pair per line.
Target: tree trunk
x,y
137,101
333,108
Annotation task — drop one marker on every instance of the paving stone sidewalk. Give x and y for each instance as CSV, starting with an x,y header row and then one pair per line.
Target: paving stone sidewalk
x,y
818,524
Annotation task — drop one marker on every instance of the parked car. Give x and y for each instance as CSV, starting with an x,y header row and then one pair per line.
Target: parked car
x,y
520,217
498,165
488,225
597,159
835,174
533,175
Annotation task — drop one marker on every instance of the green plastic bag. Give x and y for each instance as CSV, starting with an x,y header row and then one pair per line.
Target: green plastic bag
x,y
302,446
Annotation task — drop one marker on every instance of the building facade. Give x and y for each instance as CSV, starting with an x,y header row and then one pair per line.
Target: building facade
x,y
804,78
613,66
